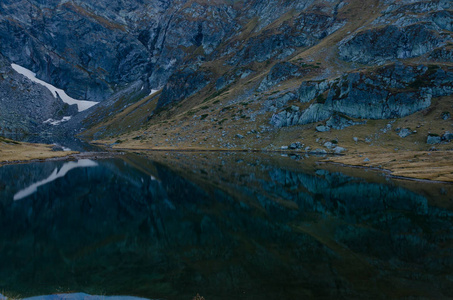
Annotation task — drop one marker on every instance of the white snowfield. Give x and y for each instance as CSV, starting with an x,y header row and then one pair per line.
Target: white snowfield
x,y
56,122
83,163
81,104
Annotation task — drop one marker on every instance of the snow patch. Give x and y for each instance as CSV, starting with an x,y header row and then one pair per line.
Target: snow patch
x,y
153,92
83,163
81,104
55,122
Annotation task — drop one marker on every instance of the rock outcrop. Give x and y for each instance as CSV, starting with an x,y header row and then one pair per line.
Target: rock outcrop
x,y
181,85
281,72
25,105
389,92
377,46
403,31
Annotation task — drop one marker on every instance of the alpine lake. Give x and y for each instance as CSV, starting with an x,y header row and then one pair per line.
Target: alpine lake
x,y
224,225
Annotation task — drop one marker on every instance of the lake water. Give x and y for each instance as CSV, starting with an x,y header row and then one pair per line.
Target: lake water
x,y
224,225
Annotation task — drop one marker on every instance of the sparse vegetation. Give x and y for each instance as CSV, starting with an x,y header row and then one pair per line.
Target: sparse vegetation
x,y
8,141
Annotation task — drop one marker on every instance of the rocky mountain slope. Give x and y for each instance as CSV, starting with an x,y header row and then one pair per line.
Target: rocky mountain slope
x,y
243,74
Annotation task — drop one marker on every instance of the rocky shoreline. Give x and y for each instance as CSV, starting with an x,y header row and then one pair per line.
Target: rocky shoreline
x,y
426,166
12,152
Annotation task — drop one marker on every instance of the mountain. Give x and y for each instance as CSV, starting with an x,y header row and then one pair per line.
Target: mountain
x,y
234,74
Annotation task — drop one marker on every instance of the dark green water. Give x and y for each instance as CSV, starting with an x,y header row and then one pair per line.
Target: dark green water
x,y
226,226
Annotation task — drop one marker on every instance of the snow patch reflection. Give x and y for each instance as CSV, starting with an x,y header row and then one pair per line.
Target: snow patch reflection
x,y
78,296
83,163
82,296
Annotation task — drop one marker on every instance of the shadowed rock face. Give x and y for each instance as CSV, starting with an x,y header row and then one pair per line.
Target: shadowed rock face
x,y
390,43
169,232
25,105
93,48
403,31
181,85
72,46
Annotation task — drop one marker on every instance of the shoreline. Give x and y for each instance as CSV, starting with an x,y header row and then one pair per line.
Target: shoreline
x,y
69,157
421,166
387,172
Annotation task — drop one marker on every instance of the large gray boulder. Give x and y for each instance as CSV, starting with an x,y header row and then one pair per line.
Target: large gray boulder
x,y
433,139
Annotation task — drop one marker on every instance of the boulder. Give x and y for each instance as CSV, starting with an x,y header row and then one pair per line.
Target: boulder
x,y
433,139
322,128
447,136
295,146
339,150
329,145
405,132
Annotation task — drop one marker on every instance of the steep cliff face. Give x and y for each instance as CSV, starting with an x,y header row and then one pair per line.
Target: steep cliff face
x,y
71,46
26,106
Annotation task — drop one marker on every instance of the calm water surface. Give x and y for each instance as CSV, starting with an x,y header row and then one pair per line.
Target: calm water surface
x,y
224,225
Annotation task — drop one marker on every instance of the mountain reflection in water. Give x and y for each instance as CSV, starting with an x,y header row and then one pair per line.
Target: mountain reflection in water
x,y
227,226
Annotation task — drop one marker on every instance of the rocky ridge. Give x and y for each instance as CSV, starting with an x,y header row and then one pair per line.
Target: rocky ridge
x,y
225,65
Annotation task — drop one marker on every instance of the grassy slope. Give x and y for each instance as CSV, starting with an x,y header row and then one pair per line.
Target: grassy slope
x,y
11,151
212,120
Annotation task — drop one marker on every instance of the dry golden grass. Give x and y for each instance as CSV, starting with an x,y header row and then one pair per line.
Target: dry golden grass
x,y
131,117
379,145
436,165
11,151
